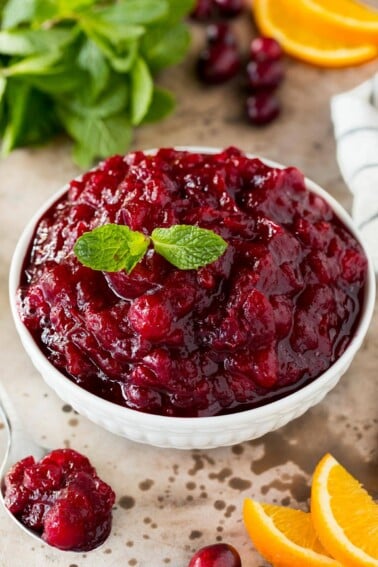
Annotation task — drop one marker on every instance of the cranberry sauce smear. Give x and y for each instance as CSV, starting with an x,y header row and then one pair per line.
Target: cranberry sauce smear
x,y
270,315
62,499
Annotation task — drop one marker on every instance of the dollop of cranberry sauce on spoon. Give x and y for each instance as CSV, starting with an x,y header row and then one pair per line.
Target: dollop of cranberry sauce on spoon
x,y
62,499
269,316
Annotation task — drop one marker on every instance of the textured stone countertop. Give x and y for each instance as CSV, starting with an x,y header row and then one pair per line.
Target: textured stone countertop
x,y
170,503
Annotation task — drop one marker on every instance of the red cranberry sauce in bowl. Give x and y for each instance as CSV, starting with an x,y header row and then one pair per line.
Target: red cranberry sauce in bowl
x,y
275,311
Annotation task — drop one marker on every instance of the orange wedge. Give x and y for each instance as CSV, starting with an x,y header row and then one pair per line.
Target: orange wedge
x,y
345,517
285,537
301,37
343,19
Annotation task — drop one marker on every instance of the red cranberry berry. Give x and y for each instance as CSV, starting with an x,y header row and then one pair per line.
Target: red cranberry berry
x,y
264,74
220,33
265,49
218,63
262,108
229,8
217,555
203,10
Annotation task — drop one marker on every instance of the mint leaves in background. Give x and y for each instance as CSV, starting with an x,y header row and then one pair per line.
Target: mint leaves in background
x,y
112,247
86,67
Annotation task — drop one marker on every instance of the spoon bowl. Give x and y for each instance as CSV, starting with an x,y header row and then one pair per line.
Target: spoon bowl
x,y
45,487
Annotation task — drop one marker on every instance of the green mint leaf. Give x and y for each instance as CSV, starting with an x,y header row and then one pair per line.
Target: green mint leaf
x,y
111,101
3,86
17,12
111,248
135,11
164,46
53,12
67,6
60,80
39,125
96,137
92,60
30,42
141,91
17,100
121,55
178,10
162,104
188,247
16,42
44,11
35,65
114,31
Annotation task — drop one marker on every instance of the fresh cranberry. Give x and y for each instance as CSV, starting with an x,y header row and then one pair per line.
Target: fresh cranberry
x,y
61,498
229,8
217,555
264,74
220,33
265,49
218,63
203,10
262,108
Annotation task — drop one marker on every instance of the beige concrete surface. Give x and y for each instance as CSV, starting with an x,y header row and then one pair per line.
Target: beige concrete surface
x,y
170,503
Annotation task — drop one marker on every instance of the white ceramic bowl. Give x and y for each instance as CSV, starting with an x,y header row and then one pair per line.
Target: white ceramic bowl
x,y
198,432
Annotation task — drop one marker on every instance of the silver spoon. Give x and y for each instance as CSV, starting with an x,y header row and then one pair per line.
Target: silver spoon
x,y
19,446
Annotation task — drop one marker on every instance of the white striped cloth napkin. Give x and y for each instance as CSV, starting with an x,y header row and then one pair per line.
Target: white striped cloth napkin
x,y
355,119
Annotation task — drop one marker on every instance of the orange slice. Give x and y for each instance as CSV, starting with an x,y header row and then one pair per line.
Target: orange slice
x,y
345,517
343,19
285,537
283,20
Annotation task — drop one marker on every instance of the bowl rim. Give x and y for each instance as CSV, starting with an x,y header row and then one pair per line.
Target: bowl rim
x,y
191,424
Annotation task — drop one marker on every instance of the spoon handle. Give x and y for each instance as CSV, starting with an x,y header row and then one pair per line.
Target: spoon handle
x,y
4,403
19,444
8,413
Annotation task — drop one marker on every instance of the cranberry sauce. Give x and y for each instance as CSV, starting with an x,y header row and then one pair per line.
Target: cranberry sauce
x,y
61,498
270,315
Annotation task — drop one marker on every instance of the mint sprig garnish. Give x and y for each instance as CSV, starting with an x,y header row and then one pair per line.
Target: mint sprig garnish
x,y
113,247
